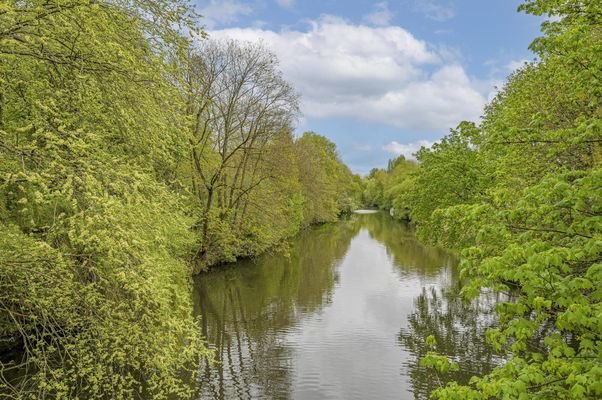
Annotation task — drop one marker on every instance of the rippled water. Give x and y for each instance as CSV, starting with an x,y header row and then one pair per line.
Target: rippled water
x,y
344,316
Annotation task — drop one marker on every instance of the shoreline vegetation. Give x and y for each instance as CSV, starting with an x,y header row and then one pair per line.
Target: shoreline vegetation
x,y
135,152
519,197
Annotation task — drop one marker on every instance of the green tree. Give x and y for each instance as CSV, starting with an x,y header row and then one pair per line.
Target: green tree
x,y
93,233
241,106
327,183
520,197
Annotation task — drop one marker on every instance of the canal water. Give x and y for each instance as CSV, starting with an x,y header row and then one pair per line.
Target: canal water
x,y
343,315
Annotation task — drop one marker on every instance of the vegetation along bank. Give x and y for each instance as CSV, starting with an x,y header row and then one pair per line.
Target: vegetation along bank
x,y
135,151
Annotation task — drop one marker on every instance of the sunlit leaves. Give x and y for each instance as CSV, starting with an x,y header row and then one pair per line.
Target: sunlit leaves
x,y
326,181
93,238
521,197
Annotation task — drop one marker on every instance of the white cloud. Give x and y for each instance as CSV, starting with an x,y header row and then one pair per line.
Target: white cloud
x,y
224,12
434,11
286,3
408,150
380,74
381,16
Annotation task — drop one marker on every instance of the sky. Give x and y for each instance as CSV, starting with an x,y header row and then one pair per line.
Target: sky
x,y
383,78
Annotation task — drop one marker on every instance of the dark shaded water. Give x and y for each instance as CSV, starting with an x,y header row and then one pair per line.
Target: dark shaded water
x,y
344,316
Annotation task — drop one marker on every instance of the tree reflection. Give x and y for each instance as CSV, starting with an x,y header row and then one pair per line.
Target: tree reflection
x,y
410,255
459,328
249,309
246,309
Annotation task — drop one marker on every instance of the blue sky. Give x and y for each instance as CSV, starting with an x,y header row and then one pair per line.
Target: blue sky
x,y
382,78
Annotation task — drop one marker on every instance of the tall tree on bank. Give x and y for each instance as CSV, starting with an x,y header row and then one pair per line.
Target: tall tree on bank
x,y
327,183
240,104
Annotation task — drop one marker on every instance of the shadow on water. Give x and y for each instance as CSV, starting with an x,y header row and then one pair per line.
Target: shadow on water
x,y
344,316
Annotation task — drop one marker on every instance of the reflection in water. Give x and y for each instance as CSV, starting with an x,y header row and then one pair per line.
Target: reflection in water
x,y
325,322
412,258
248,307
459,329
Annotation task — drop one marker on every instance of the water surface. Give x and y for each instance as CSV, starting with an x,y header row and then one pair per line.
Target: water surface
x,y
343,316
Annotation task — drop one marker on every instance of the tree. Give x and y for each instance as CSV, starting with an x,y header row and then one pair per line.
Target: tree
x,y
520,197
326,182
240,103
92,235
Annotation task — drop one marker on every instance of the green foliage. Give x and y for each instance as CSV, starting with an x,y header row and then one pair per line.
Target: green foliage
x,y
391,188
93,233
328,186
451,174
255,185
311,186
520,197
546,249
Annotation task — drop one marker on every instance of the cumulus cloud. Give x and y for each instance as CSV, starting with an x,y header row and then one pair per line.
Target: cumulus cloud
x,y
380,74
224,12
434,11
381,16
408,150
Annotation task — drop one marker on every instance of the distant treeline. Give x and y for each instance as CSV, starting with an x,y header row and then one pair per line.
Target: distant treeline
x,y
135,151
519,195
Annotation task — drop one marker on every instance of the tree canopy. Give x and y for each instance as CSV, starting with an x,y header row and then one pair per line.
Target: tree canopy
x,y
519,196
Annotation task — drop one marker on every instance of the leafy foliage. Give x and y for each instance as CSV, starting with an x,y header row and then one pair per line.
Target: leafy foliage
x,y
93,235
255,185
520,197
389,189
327,184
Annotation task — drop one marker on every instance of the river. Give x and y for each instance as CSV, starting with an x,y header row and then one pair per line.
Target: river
x,y
343,315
